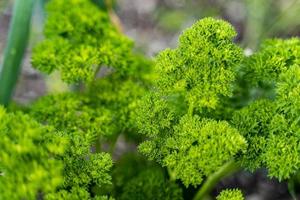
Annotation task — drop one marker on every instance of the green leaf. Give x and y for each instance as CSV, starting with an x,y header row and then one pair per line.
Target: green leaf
x,y
15,48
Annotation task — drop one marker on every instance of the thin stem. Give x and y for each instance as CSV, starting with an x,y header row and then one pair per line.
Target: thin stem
x,y
115,20
172,175
212,180
291,188
98,146
276,19
113,144
15,48
257,13
108,5
191,109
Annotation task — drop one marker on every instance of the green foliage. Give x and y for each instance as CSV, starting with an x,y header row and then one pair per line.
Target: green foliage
x,y
150,184
103,109
28,163
271,126
136,178
287,90
206,109
192,78
70,112
128,167
119,96
197,90
233,194
274,57
82,124
76,193
84,169
185,151
202,67
79,40
260,72
252,122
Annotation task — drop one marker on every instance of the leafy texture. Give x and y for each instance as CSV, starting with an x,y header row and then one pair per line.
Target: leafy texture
x,y
28,158
79,40
136,178
274,57
128,167
103,110
70,112
202,67
253,122
83,169
76,193
193,78
186,151
151,184
206,106
232,194
119,96
271,126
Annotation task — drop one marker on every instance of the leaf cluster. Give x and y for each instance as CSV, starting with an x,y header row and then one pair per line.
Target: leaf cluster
x,y
135,178
29,166
195,118
271,125
230,194
193,78
206,104
83,169
80,39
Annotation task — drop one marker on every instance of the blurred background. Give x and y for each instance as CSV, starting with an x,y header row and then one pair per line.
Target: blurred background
x,y
155,25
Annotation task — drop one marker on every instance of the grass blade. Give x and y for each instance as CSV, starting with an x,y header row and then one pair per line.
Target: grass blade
x,y
15,48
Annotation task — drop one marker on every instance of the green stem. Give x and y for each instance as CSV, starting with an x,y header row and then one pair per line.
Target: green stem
x,y
113,145
212,180
15,48
275,20
98,146
172,175
291,188
257,12
191,109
